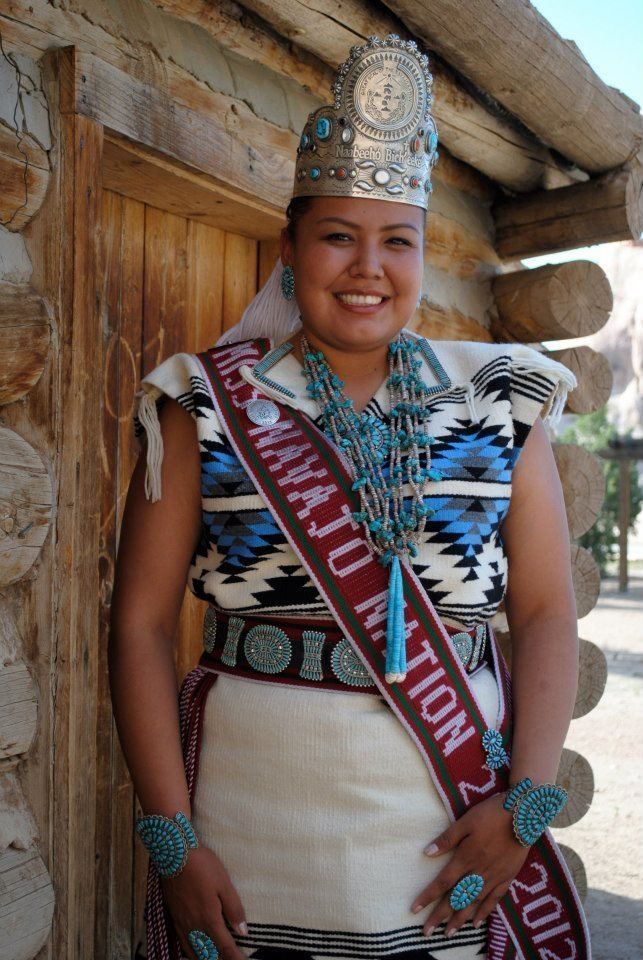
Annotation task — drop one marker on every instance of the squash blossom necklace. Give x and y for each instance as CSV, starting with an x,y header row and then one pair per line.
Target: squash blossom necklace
x,y
392,529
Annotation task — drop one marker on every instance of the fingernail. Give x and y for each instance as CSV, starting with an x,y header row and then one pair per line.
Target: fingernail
x,y
431,849
243,928
450,933
478,923
416,907
428,931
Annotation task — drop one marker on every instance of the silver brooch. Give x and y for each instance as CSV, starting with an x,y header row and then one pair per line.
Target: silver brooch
x,y
263,412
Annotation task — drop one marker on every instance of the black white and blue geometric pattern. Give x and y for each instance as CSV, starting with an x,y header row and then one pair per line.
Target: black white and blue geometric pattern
x,y
243,562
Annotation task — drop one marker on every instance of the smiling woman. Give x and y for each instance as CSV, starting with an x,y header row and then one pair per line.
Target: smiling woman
x,y
353,503
358,276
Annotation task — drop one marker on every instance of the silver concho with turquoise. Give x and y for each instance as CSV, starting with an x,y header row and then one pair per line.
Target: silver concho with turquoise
x,y
267,648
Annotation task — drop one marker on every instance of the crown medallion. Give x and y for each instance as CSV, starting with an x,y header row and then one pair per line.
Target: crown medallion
x,y
379,138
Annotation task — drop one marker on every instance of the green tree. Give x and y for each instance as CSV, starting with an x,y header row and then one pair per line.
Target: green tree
x,y
594,431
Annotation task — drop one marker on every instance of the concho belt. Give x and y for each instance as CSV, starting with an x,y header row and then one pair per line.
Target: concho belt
x,y
304,651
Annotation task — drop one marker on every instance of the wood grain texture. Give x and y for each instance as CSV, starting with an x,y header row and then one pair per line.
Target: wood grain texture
x,y
239,151
164,290
592,678
541,78
470,128
24,174
551,302
142,174
76,582
576,777
593,373
25,336
26,904
577,869
586,579
604,209
18,710
26,505
583,482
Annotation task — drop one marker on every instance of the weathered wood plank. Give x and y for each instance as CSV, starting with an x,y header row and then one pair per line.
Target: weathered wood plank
x,y
543,79
603,210
239,277
469,128
229,143
18,710
26,505
24,174
76,576
26,904
25,336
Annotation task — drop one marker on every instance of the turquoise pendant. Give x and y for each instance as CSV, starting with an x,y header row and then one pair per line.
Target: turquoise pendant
x,y
395,669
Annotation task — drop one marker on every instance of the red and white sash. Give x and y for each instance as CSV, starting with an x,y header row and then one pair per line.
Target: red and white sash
x,y
306,483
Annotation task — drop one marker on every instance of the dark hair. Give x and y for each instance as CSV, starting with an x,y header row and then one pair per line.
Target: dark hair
x,y
296,209
294,212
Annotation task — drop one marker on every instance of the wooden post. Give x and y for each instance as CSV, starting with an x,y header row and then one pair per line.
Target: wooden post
x,y
623,521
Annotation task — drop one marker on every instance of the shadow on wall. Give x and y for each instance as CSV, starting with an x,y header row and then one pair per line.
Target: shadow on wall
x,y
616,923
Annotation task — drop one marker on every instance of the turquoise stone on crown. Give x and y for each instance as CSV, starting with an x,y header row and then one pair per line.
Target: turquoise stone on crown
x,y
323,128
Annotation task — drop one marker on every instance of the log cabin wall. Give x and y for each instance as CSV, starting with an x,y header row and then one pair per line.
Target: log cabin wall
x,y
147,154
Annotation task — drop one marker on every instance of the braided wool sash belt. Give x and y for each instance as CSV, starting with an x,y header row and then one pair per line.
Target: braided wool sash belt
x,y
303,651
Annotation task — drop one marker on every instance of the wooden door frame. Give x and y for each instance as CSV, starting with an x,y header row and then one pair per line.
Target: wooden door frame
x,y
170,156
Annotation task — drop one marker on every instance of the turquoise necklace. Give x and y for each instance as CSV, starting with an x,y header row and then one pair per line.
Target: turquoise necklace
x,y
392,529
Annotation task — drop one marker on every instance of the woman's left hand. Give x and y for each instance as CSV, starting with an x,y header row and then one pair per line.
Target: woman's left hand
x,y
483,843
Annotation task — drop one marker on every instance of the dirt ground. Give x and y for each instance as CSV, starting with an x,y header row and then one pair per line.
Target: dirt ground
x,y
609,837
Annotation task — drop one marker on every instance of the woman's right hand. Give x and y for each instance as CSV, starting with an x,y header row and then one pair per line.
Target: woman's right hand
x,y
200,897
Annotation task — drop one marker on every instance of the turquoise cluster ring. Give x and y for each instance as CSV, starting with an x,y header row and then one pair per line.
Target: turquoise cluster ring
x,y
466,891
203,945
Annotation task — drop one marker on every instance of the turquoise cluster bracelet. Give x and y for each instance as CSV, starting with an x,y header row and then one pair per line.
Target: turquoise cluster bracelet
x,y
533,808
167,840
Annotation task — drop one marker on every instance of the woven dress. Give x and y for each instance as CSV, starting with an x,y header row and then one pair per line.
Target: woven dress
x,y
317,801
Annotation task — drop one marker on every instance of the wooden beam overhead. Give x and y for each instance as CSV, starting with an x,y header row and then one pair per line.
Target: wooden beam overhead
x,y
492,143
513,53
602,210
243,155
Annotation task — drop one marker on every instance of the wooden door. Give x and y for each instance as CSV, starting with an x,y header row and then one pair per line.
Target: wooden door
x,y
169,284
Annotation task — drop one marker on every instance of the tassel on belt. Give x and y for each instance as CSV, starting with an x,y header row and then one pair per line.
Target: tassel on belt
x,y
304,651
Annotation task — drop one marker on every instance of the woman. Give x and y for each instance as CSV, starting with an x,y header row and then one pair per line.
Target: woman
x,y
355,794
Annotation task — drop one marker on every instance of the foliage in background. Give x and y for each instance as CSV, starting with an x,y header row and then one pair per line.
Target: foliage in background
x,y
594,431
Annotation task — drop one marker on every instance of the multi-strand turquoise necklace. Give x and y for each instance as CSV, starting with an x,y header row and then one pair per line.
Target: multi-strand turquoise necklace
x,y
392,528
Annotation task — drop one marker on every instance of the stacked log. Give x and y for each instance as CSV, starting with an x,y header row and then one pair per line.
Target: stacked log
x,y
553,302
26,502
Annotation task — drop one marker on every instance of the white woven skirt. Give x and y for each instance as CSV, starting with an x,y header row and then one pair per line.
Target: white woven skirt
x,y
320,805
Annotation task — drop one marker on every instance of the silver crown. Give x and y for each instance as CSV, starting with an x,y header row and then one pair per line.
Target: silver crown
x,y
379,138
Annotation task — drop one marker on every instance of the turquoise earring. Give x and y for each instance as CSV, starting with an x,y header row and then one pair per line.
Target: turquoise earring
x,y
288,283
